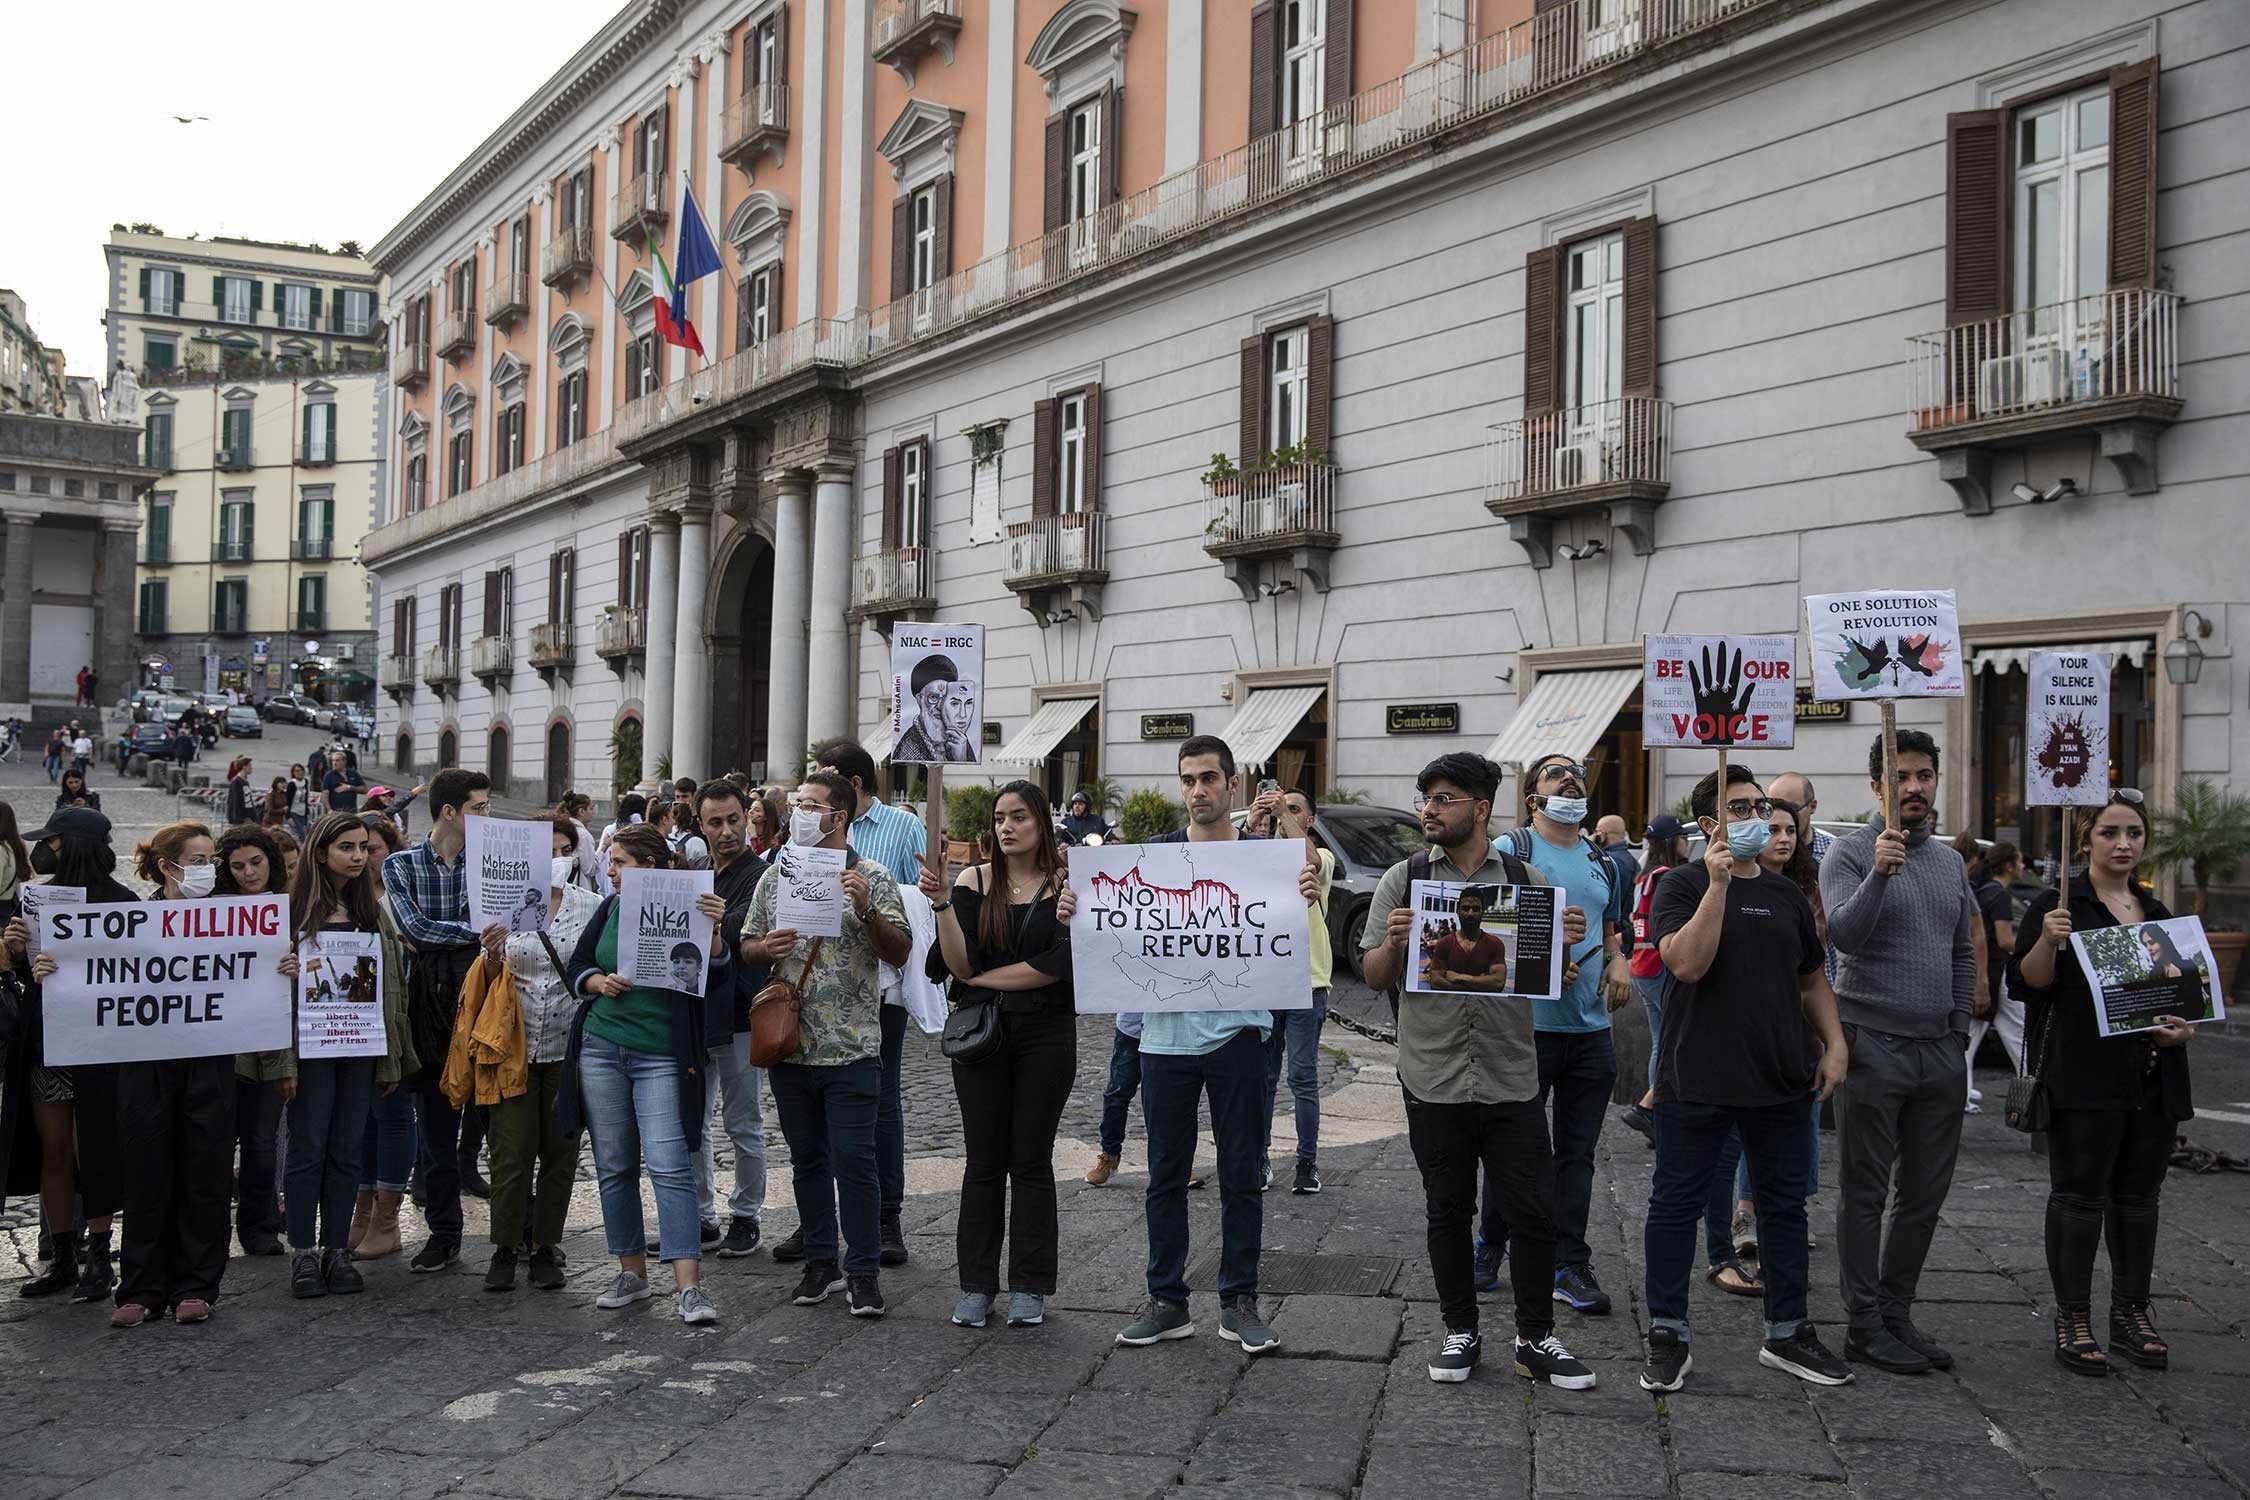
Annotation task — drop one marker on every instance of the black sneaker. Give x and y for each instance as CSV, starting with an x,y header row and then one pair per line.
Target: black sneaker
x,y
893,1242
547,1269
435,1256
710,1231
1549,1361
820,1278
1484,1274
1940,1357
1806,1357
1639,1121
1308,1178
1878,1347
792,1249
1459,1355
1575,1285
500,1275
342,1276
1668,1361
741,1240
864,1297
305,1279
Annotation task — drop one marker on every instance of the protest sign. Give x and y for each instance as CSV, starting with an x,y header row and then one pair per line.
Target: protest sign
x,y
1886,643
810,900
937,694
1715,691
36,899
340,995
2066,730
1171,927
663,942
2143,970
164,979
509,864
1474,940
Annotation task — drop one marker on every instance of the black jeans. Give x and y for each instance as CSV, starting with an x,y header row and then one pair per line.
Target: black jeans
x,y
1011,1104
890,1115
1233,1075
828,1117
1577,1070
177,1121
1509,1141
257,1191
2105,1170
1124,1082
440,1126
1691,1140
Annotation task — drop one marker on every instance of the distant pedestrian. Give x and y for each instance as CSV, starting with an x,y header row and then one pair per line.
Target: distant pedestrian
x,y
85,677
57,748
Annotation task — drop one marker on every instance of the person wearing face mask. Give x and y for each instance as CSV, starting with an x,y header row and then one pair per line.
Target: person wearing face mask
x,y
1744,1000
1577,1061
1904,921
250,864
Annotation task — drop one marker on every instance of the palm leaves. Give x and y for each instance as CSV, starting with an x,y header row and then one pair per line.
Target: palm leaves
x,y
2207,831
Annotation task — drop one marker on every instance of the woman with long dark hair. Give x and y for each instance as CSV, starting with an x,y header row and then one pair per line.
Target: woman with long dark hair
x,y
1004,938
75,792
250,865
15,863
769,828
2115,1102
238,790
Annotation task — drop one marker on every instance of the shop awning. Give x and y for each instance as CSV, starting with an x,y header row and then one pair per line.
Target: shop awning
x,y
1260,725
2018,658
1047,727
1565,714
878,741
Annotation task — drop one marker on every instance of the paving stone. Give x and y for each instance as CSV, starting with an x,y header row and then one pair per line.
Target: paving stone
x,y
192,1478
2068,1484
749,1459
1315,1326
593,1457
1060,1354
1750,1435
373,1474
1432,1470
1066,1475
1192,1364
1759,1487
1600,1455
1914,1470
2125,1441
85,1450
922,1478
973,1424
1873,1409
1346,1388
502,1418
1158,1426
317,1426
1967,1286
1254,1448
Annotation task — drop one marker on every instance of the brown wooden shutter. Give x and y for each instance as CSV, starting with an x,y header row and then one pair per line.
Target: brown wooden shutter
x,y
775,322
902,246
1265,68
1555,35
1090,480
1113,148
491,604
2132,174
1320,381
893,482
555,613
1336,49
742,312
941,224
1976,215
1252,429
640,591
625,569
1058,170
1639,376
1042,459
1542,330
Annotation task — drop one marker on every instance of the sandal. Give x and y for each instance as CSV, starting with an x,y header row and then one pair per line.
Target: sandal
x,y
2075,1349
1744,1282
2133,1337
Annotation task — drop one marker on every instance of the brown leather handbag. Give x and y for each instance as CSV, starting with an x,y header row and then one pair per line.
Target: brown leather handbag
x,y
776,1034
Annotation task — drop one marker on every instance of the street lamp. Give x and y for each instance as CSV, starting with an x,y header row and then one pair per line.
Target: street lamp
x,y
2183,657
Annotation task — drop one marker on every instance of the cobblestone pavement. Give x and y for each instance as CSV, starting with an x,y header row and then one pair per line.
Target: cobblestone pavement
x,y
428,1385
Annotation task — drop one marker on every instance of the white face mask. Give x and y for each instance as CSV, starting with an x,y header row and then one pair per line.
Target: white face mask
x,y
198,881
1570,811
805,827
564,872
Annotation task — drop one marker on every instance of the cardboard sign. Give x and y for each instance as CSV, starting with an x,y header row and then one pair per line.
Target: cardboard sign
x,y
340,995
663,942
510,863
937,694
164,979
1886,643
1186,926
2066,730
1473,941
1719,691
2148,969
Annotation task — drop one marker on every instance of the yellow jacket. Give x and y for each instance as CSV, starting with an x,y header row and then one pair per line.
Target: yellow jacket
x,y
488,1052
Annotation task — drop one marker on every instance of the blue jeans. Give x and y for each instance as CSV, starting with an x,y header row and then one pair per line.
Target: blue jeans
x,y
1300,1030
828,1116
327,1129
387,1146
1689,1138
1233,1075
1124,1083
632,1102
1651,995
739,1086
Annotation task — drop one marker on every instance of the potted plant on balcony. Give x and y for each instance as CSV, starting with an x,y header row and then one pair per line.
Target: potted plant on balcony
x,y
2208,831
1222,478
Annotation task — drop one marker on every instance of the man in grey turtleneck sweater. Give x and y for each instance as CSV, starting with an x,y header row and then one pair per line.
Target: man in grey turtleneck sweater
x,y
1902,920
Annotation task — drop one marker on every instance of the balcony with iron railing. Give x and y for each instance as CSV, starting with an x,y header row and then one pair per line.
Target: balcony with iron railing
x,y
552,646
1612,456
886,585
568,254
230,622
785,356
758,121
235,549
2105,366
1285,513
312,548
411,365
507,299
621,634
441,667
491,656
457,334
641,208
235,457
906,31
396,676
320,453
156,549
1057,565
312,622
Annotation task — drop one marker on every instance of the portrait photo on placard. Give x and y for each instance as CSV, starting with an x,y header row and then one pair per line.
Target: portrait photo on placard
x,y
2143,970
1484,940
937,694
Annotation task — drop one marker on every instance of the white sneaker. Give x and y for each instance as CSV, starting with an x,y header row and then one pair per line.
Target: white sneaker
x,y
694,1307
1976,1095
626,1290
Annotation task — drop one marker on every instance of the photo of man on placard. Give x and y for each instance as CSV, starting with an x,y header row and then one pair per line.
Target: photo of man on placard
x,y
943,730
1468,957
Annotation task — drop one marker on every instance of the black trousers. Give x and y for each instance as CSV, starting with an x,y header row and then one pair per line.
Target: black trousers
x,y
433,997
257,1129
177,1120
1011,1104
1509,1141
2105,1170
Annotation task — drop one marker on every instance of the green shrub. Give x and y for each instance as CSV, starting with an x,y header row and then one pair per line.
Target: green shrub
x,y
968,811
1148,813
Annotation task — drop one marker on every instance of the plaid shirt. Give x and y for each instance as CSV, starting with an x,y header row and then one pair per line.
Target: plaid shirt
x,y
430,898
892,837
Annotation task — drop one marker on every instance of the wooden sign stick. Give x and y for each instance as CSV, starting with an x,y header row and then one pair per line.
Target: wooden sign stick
x,y
1890,763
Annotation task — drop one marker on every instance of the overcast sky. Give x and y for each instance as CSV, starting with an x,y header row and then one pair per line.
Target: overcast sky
x,y
327,123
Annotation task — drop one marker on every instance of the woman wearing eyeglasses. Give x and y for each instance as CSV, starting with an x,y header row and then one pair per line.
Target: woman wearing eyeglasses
x,y
2114,1102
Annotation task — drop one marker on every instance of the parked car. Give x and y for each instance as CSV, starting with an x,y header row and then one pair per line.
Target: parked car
x,y
291,708
150,739
172,710
242,723
1366,841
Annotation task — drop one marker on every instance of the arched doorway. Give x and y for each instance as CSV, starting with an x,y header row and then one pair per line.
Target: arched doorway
x,y
558,760
448,748
496,762
741,652
404,758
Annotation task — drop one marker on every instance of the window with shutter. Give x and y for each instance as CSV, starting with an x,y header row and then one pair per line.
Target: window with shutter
x,y
1265,68
1542,329
491,604
1042,459
902,246
913,495
2132,161
1304,71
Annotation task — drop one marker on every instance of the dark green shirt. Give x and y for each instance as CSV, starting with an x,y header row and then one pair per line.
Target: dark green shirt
x,y
640,1019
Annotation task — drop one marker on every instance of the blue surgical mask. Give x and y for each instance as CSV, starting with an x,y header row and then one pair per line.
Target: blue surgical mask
x,y
1570,811
1746,838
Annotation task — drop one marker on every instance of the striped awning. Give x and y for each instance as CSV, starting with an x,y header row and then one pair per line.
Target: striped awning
x,y
1565,713
1260,725
1047,727
2018,658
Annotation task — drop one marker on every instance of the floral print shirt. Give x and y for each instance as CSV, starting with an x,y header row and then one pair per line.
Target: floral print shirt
x,y
841,1016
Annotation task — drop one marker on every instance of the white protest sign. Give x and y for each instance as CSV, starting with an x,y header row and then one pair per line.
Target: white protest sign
x,y
509,865
2066,730
1172,927
340,995
163,979
1719,691
2144,970
810,899
1478,940
937,694
1886,643
38,898
663,942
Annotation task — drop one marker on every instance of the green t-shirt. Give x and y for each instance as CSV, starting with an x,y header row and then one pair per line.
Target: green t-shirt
x,y
640,1019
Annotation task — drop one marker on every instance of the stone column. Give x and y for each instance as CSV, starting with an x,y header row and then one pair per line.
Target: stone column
x,y
656,661
116,590
828,695
691,661
15,607
792,592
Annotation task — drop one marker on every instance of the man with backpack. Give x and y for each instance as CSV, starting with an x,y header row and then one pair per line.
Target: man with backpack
x,y
1469,1067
